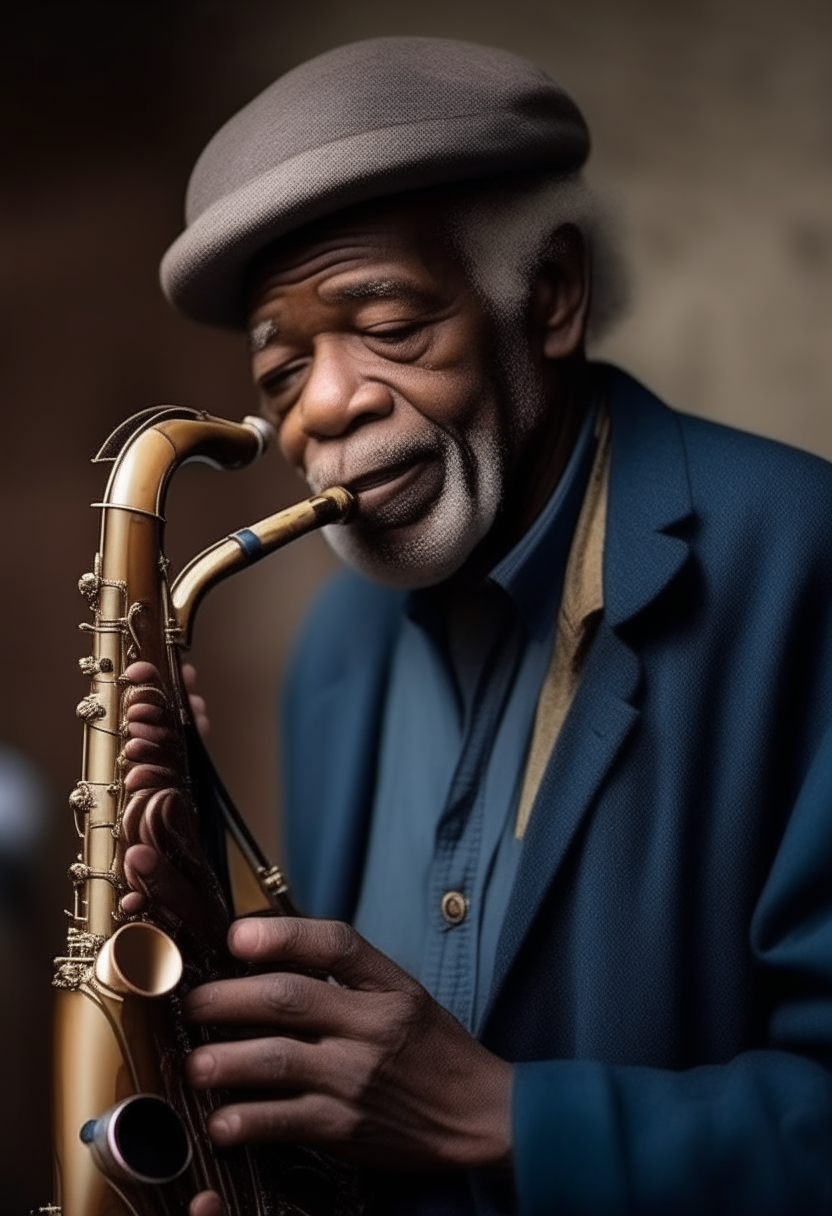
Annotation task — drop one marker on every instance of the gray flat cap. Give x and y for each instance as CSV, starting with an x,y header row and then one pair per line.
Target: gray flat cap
x,y
361,122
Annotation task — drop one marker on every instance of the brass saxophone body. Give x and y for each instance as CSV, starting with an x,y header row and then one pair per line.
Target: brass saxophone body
x,y
129,1136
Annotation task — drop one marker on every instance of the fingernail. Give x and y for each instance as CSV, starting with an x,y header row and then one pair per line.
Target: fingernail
x,y
224,1127
201,1066
244,937
133,903
146,862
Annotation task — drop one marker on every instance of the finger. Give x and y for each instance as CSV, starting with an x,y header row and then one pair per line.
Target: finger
x,y
150,694
133,811
155,732
142,672
134,903
328,946
266,1063
138,710
163,818
148,777
145,699
206,1203
162,824
154,877
199,711
140,864
180,827
306,1119
282,998
155,818
168,824
155,751
189,677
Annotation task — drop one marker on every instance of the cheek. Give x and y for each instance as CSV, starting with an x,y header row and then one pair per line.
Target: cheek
x,y
456,399
292,441
464,393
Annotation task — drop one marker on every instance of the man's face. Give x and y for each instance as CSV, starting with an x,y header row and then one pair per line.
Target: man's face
x,y
374,359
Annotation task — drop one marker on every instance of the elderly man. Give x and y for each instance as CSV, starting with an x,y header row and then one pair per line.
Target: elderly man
x,y
557,747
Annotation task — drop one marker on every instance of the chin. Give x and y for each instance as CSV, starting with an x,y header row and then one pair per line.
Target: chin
x,y
389,548
408,558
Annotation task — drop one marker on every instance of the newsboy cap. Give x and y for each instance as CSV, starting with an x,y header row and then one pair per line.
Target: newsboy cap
x,y
361,122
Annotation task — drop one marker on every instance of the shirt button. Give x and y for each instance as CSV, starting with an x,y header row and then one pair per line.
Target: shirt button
x,y
454,907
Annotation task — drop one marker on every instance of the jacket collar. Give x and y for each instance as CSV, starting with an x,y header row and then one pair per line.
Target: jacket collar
x,y
649,498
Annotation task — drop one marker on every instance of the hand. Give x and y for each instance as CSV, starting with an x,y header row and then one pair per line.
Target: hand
x,y
163,861
370,1066
159,824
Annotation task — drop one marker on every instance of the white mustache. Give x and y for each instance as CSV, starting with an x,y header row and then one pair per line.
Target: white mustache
x,y
365,457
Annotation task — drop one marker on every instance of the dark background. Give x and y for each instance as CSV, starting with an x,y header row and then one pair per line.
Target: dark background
x,y
713,138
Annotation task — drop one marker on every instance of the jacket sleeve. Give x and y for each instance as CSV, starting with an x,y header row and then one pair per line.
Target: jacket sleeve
x,y
751,1137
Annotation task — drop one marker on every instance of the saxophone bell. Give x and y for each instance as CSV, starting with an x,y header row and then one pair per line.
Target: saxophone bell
x,y
139,1140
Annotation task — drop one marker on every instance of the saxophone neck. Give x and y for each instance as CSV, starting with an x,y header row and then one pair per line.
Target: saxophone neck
x,y
247,546
150,452
127,592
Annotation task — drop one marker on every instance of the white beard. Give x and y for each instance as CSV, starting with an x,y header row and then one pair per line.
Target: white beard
x,y
428,552
433,548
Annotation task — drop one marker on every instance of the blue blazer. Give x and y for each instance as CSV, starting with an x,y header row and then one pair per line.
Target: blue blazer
x,y
664,974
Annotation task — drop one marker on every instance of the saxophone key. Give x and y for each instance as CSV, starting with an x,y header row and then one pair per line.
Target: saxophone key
x,y
89,585
91,666
82,799
90,709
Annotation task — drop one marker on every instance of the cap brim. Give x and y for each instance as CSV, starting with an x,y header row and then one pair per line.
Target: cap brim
x,y
203,274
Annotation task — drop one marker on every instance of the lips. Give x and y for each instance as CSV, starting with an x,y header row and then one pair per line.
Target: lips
x,y
399,492
381,477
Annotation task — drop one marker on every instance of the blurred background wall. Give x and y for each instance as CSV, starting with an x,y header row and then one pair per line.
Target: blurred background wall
x,y
712,127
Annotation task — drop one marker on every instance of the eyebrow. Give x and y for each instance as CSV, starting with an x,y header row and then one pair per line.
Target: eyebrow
x,y
264,333
376,289
261,335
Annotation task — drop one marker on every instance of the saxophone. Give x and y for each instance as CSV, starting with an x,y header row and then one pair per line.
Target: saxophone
x,y
129,1135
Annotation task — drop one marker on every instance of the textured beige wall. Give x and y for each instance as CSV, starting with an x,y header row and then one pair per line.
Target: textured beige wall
x,y
712,129
713,137
712,125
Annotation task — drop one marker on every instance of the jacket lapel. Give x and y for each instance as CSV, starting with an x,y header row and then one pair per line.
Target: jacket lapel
x,y
648,495
332,729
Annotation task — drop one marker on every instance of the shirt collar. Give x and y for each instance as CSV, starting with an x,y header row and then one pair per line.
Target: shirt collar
x,y
532,573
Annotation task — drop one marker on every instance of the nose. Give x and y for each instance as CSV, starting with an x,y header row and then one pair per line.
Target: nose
x,y
336,398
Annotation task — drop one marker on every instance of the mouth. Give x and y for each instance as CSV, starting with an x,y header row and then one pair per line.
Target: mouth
x,y
380,485
398,493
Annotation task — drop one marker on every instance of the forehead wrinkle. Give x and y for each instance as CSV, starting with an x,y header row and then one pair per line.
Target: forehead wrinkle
x,y
386,288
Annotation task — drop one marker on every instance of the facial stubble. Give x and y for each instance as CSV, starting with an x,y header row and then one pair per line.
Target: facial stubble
x,y
421,553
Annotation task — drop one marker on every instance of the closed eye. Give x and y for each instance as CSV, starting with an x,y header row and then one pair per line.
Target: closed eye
x,y
398,329
399,341
275,382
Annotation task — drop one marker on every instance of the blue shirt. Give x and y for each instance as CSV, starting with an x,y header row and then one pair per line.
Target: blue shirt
x,y
464,684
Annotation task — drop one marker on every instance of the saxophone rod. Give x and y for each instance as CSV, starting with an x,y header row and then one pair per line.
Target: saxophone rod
x,y
245,548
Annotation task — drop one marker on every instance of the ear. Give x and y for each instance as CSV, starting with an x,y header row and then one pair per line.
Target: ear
x,y
560,299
